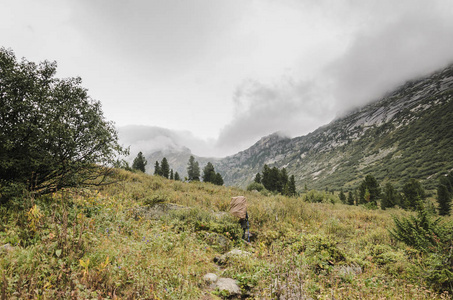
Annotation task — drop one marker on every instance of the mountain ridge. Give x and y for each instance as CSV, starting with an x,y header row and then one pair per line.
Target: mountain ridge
x,y
405,132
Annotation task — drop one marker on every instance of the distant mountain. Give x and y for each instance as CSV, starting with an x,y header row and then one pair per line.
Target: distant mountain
x,y
407,134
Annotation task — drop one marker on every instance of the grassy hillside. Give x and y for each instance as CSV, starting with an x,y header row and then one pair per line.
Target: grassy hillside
x,y
104,244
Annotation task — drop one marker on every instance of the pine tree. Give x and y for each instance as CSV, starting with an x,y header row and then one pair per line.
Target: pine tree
x,y
177,178
193,170
139,162
218,179
444,196
389,197
414,194
171,174
342,196
157,170
371,185
350,198
258,178
209,173
165,168
292,186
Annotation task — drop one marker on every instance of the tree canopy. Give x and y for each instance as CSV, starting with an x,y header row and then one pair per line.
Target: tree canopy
x,y
139,162
53,135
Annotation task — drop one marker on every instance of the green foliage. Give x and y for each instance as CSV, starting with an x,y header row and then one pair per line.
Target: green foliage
x,y
369,190
139,162
193,170
389,196
413,194
433,238
53,135
445,194
254,186
164,168
209,175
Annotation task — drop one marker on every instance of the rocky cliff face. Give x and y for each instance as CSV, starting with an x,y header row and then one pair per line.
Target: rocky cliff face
x,y
406,134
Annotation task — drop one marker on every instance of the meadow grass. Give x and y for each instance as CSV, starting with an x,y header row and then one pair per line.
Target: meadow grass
x,y
91,244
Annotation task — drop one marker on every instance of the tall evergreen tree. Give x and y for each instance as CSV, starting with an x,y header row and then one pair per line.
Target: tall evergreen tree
x,y
292,186
193,170
177,178
165,168
342,196
350,198
414,194
157,170
139,162
218,179
171,174
445,194
369,190
209,173
389,196
258,178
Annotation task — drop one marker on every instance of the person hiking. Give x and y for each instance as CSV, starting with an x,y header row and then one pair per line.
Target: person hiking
x,y
238,208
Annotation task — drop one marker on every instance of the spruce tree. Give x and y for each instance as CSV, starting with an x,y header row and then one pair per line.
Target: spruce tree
x,y
444,196
209,173
350,198
139,162
171,174
177,178
193,170
342,196
371,185
157,170
414,194
389,196
165,168
218,179
258,178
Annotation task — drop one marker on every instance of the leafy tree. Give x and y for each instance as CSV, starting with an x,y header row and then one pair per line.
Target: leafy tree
x,y
53,135
164,168
139,162
255,186
413,194
193,170
157,170
369,190
177,178
389,196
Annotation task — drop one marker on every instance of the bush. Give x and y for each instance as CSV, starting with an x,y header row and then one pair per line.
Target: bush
x,y
255,186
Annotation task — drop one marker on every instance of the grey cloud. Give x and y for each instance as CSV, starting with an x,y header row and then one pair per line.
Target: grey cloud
x,y
149,139
290,107
380,60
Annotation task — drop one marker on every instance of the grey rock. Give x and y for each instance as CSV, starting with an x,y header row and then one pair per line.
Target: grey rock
x,y
229,285
233,253
210,277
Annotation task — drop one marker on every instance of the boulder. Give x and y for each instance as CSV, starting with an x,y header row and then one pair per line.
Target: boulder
x,y
229,285
210,277
233,253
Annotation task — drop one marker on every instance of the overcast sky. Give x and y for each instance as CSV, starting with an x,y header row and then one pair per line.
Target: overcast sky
x,y
225,73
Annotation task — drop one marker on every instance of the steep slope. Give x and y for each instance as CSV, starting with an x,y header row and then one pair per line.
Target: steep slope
x,y
407,134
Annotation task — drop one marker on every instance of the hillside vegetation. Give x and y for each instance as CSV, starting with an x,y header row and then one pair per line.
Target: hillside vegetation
x,y
104,244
